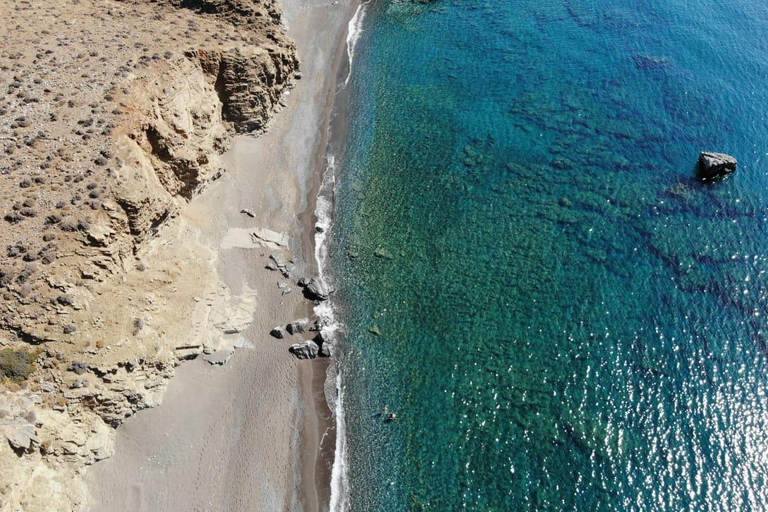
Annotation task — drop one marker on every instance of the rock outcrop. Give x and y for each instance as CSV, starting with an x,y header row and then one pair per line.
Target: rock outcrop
x,y
715,165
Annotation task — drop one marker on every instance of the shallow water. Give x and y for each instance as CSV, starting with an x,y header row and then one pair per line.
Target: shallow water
x,y
561,316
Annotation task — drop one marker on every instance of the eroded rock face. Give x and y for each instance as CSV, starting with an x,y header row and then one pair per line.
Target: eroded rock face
x,y
249,80
715,165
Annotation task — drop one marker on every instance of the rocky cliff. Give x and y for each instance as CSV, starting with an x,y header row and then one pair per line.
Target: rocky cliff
x,y
115,114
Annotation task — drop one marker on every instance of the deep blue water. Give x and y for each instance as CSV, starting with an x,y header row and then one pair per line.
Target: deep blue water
x,y
564,318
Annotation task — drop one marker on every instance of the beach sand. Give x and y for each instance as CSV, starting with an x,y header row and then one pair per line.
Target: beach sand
x,y
247,435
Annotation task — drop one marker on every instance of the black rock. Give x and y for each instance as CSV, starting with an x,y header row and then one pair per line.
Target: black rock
x,y
297,326
277,332
305,350
715,165
316,323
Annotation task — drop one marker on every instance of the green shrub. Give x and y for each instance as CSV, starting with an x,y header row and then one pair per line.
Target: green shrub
x,y
16,365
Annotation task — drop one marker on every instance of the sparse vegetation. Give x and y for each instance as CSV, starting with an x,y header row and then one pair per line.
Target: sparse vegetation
x,y
16,365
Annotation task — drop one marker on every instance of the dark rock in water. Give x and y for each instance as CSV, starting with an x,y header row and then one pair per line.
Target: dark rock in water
x,y
305,350
562,164
650,62
316,289
277,332
383,254
316,324
297,326
715,165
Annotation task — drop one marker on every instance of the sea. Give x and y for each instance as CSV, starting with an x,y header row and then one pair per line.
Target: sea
x,y
527,272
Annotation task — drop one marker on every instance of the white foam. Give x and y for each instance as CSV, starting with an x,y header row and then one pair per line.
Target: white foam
x,y
339,477
353,35
325,310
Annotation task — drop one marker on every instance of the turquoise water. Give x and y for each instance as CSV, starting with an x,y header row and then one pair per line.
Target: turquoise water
x,y
561,316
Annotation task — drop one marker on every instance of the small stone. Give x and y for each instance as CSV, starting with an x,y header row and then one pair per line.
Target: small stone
x,y
277,332
220,357
278,260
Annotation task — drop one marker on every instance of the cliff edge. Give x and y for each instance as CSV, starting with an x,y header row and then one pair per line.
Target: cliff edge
x,y
115,114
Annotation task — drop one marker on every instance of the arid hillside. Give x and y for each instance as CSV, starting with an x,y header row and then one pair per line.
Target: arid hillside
x,y
113,114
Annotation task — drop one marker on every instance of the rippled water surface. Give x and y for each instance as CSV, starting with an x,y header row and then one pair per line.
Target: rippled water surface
x,y
561,317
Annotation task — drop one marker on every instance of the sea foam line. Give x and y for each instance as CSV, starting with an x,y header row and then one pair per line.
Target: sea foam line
x,y
331,327
339,477
354,32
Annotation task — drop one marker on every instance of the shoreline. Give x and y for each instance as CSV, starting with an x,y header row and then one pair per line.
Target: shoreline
x,y
231,454
318,469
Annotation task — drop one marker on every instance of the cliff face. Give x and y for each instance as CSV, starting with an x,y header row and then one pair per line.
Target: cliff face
x,y
116,114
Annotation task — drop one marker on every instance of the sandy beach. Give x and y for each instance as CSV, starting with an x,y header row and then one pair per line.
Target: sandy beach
x,y
247,435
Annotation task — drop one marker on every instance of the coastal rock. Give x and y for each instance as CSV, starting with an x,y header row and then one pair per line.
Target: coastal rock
x,y
317,289
316,324
298,326
714,165
326,343
305,350
277,332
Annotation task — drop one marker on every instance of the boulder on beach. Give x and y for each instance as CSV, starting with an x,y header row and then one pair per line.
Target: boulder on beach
x,y
305,350
297,326
325,341
715,165
317,289
277,332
